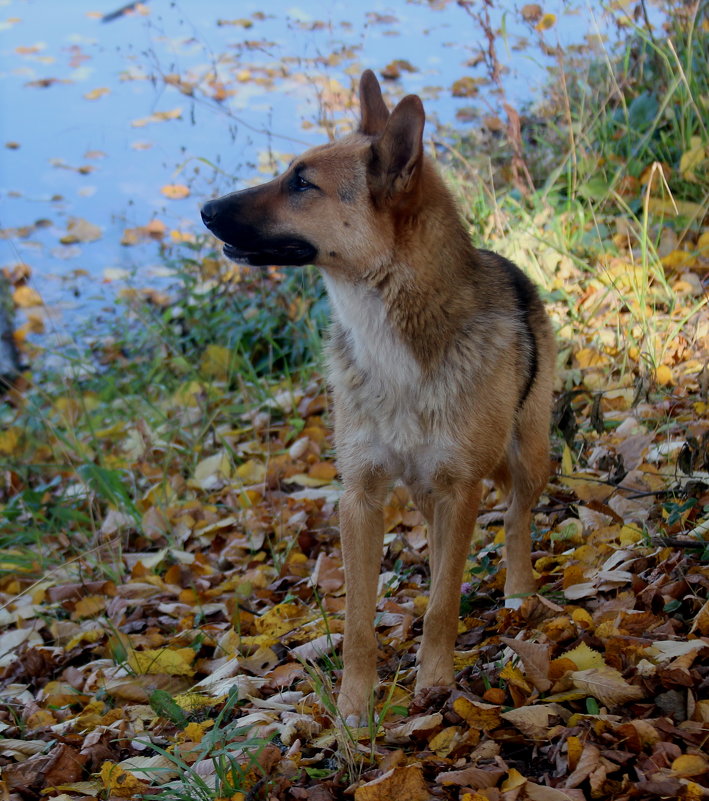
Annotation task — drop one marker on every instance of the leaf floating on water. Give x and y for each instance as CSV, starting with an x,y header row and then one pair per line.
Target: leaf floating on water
x,y
80,230
95,94
175,191
546,22
158,116
26,296
531,12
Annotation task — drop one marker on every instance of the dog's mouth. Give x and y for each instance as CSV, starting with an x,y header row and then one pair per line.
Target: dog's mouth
x,y
277,252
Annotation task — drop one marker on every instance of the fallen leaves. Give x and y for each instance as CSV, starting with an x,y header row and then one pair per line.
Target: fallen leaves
x,y
175,191
158,116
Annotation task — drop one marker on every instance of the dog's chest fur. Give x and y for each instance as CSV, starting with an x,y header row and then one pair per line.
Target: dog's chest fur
x,y
396,409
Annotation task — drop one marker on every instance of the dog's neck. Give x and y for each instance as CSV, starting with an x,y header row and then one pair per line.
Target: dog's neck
x,y
425,289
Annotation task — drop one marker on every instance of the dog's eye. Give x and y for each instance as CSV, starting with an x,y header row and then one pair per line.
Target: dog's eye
x,y
300,184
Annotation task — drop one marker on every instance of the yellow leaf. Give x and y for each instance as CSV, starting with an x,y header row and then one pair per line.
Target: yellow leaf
x,y
304,480
514,780
692,158
663,376
25,296
251,472
685,208
445,741
629,535
584,657
194,732
89,606
94,94
582,618
92,635
567,461
546,22
513,675
690,765
280,619
10,440
174,661
120,782
575,747
175,191
678,259
478,715
588,357
189,394
216,362
325,471
191,701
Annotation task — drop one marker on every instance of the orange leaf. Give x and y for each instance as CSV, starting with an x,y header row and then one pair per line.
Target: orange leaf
x,y
175,191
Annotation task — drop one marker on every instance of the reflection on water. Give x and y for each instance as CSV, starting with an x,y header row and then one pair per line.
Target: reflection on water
x,y
109,127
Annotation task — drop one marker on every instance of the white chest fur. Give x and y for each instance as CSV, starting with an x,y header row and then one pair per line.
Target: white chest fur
x,y
392,407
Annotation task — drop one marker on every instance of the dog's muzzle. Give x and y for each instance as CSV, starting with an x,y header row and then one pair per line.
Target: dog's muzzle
x,y
226,217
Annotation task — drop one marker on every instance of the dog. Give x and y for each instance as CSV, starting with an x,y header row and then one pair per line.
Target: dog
x,y
440,359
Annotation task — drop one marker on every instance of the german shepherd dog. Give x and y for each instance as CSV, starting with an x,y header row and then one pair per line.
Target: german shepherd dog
x,y
441,361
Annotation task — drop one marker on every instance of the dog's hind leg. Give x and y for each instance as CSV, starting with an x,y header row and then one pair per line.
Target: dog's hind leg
x,y
454,510
528,472
362,535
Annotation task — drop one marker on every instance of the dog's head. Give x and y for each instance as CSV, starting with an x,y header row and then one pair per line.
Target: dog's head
x,y
337,205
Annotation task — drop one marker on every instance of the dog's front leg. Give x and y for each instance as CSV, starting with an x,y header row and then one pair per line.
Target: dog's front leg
x,y
454,507
362,534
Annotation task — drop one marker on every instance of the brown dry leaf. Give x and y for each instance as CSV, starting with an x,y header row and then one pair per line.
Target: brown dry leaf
x,y
588,761
477,778
80,230
540,792
418,725
175,191
607,685
398,784
532,721
531,12
701,621
466,87
535,660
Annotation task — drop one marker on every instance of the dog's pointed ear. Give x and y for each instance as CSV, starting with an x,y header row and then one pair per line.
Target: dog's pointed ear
x,y
373,108
398,153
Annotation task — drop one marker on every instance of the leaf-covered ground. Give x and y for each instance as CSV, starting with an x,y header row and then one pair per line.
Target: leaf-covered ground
x,y
192,638
171,579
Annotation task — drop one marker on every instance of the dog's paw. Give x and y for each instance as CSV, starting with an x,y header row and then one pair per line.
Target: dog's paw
x,y
513,603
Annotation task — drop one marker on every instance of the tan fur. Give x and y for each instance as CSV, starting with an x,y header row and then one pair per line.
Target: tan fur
x,y
440,360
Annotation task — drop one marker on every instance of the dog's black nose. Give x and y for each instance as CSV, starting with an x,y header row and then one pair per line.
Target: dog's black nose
x,y
209,212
